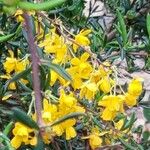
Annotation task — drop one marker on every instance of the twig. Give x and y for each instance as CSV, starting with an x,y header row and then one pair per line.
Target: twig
x,y
116,146
35,70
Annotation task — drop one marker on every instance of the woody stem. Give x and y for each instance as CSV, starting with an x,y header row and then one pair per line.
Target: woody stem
x,y
35,69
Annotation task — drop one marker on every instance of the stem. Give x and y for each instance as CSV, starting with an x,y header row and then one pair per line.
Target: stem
x,y
40,6
31,105
35,69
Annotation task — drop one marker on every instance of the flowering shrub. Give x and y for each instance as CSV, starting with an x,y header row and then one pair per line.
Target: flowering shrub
x,y
61,94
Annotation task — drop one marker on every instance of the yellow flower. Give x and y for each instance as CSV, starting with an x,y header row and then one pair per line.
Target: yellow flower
x,y
19,13
135,87
67,127
70,133
10,64
79,70
118,132
12,85
119,124
22,134
95,76
105,85
58,129
18,16
113,104
13,64
108,115
67,100
49,111
6,97
81,39
54,77
49,114
54,44
76,79
95,140
82,66
104,71
88,90
67,105
67,124
130,100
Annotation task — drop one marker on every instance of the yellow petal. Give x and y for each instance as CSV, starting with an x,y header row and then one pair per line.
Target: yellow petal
x,y
84,57
82,40
95,141
45,104
130,100
70,133
11,53
135,87
105,85
16,142
33,141
75,61
92,87
119,124
6,97
85,32
5,76
58,130
12,86
108,115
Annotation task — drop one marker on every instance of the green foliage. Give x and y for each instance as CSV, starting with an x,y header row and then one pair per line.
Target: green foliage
x,y
129,123
146,111
122,28
57,69
69,116
131,36
22,117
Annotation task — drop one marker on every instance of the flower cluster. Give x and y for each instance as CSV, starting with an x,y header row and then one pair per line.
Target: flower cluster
x,y
92,90
23,134
13,65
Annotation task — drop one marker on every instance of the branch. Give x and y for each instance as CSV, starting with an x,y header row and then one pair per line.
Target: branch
x,y
35,69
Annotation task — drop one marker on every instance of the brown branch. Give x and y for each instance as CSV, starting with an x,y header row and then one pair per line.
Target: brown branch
x,y
35,69
111,35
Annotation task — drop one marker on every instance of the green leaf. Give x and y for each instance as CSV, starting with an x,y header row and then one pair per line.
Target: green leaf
x,y
22,117
148,24
40,144
127,145
122,27
40,6
74,5
128,123
18,76
5,38
97,122
23,86
6,140
146,135
8,128
69,116
58,69
146,111
47,81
